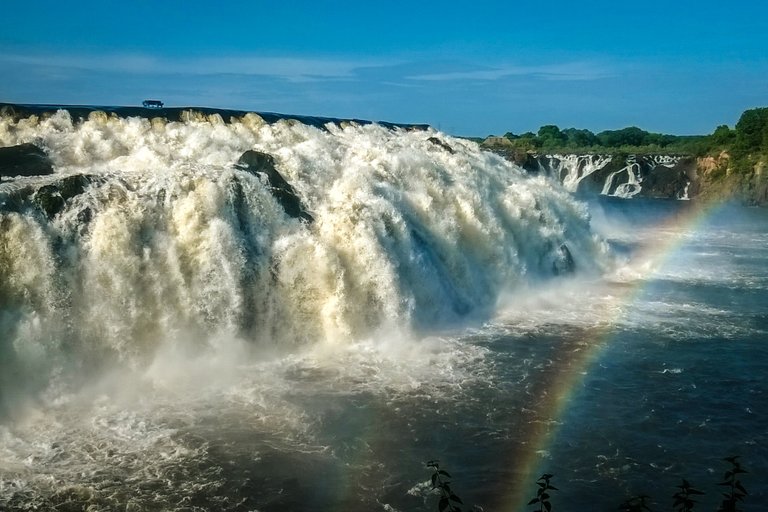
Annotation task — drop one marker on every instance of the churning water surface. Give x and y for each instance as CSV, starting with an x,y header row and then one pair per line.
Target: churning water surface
x,y
173,341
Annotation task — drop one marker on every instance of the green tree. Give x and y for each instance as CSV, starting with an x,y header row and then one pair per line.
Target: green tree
x,y
722,137
752,131
630,136
580,138
550,136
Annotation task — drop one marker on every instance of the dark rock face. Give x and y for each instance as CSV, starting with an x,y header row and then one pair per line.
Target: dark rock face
x,y
535,164
440,143
664,182
256,162
24,160
49,199
52,198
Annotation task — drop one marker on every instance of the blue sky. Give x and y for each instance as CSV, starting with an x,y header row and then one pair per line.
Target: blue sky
x,y
468,68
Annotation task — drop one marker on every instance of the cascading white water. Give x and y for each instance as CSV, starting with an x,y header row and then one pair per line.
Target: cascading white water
x,y
174,337
623,179
170,245
571,169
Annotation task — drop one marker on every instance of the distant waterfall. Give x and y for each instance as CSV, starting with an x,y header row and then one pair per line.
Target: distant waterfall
x,y
623,176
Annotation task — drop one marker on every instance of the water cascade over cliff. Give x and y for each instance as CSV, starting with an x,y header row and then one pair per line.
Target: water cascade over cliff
x,y
626,176
152,233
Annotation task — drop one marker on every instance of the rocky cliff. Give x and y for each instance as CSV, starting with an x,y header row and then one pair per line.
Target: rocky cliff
x,y
718,178
651,176
657,176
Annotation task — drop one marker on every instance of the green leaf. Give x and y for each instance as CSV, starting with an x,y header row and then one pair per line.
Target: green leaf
x,y
456,499
444,473
443,504
548,506
434,480
534,500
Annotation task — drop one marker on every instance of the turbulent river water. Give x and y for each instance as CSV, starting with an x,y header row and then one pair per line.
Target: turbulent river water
x,y
172,339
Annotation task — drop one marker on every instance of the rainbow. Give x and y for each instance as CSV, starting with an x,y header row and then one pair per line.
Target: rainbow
x,y
567,376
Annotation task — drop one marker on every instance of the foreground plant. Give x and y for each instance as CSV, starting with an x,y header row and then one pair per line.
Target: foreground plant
x,y
542,495
440,481
736,491
684,501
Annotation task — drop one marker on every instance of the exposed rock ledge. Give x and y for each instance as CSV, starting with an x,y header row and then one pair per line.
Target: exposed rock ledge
x,y
263,164
24,160
652,176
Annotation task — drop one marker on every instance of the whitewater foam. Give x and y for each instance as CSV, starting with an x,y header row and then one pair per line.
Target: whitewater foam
x,y
167,248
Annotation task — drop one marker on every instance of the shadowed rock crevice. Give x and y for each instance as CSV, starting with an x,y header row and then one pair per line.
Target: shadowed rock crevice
x,y
258,163
53,198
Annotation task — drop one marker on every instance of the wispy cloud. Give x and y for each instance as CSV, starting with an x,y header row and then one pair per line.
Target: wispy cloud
x,y
304,68
295,69
561,71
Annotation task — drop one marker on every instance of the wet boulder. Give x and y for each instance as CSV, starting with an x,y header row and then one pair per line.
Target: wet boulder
x,y
441,144
258,163
53,198
24,160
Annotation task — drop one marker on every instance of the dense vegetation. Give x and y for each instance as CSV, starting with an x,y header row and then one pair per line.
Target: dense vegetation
x,y
551,138
731,162
748,142
745,142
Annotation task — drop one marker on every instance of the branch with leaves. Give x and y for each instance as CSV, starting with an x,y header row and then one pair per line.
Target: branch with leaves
x,y
440,480
683,499
736,491
542,494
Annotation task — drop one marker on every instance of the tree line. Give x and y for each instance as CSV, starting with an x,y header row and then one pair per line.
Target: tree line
x,y
748,139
